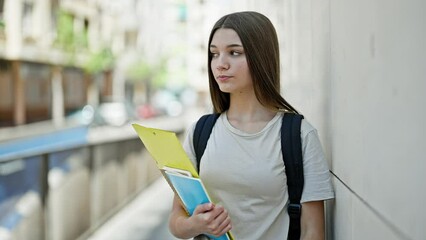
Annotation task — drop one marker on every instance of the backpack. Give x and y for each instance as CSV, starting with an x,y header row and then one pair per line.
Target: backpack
x,y
292,157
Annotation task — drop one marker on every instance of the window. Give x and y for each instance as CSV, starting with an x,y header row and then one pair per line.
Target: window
x,y
2,19
6,93
27,20
1,9
131,39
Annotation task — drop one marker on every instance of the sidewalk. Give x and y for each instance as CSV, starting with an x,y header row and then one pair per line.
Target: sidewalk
x,y
145,218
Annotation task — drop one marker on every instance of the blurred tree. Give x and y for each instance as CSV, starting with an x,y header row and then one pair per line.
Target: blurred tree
x,y
160,78
73,42
151,76
72,39
99,61
69,40
139,71
154,73
65,31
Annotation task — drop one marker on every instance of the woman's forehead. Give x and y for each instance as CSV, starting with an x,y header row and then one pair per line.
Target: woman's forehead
x,y
225,37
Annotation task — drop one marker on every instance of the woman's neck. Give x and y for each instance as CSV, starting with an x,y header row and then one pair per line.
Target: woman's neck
x,y
247,114
246,106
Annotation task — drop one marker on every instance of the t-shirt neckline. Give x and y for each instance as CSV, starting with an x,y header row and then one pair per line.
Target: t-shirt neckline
x,y
237,131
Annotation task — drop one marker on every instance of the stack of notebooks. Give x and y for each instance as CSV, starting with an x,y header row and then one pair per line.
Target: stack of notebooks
x,y
176,168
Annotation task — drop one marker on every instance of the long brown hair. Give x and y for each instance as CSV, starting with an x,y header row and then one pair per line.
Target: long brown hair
x,y
260,43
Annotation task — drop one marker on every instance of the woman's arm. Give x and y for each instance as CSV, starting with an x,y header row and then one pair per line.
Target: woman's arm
x,y
312,221
207,218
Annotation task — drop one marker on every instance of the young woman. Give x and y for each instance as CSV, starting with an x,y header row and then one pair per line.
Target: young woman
x,y
242,165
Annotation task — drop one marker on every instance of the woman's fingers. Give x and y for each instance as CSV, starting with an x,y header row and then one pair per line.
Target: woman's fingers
x,y
215,219
202,208
221,224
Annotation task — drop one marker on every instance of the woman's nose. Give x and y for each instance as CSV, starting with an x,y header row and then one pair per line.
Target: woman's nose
x,y
222,63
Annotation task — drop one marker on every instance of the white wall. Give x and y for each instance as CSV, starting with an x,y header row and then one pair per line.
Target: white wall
x,y
357,71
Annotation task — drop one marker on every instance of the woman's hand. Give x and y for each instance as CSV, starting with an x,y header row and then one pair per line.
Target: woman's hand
x,y
211,219
207,219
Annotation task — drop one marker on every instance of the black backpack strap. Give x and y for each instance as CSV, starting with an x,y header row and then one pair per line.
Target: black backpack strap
x,y
202,131
291,148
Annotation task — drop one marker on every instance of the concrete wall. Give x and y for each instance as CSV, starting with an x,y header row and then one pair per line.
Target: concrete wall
x,y
356,70
100,181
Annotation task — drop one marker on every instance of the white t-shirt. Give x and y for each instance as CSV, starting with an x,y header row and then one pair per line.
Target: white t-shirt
x,y
244,172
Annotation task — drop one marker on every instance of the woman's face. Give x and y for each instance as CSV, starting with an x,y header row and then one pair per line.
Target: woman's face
x,y
229,63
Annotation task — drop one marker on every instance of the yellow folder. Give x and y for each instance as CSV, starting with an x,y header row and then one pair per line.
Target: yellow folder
x,y
165,148
167,151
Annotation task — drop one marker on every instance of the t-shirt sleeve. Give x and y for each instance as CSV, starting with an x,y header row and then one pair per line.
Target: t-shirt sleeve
x,y
188,145
317,185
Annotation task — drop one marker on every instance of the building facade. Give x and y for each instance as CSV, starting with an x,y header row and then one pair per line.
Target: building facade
x,y
58,55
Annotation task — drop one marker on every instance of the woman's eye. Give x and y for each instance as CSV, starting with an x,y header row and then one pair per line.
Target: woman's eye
x,y
235,53
214,54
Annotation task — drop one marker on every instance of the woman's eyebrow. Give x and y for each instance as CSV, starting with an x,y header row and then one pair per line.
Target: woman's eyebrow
x,y
228,46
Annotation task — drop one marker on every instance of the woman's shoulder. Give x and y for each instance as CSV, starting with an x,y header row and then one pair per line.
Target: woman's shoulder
x,y
306,127
190,128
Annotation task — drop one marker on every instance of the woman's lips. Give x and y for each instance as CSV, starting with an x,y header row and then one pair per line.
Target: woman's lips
x,y
223,78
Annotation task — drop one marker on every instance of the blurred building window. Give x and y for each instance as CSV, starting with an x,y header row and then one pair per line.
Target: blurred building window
x,y
27,21
131,38
1,9
6,94
37,91
2,35
74,89
54,15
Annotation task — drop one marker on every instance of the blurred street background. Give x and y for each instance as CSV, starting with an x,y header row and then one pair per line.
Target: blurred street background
x,y
75,74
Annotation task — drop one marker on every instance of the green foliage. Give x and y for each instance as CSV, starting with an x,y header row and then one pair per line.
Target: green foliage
x,y
65,31
160,78
99,61
143,71
140,70
2,24
72,42
67,38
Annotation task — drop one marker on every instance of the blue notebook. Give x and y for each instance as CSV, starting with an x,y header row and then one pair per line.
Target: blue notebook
x,y
191,191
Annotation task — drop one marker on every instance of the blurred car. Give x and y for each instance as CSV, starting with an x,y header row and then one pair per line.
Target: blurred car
x,y
116,113
83,116
167,102
146,111
107,113
113,113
